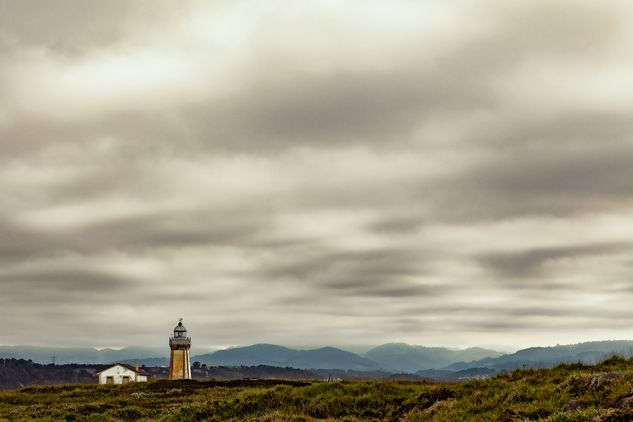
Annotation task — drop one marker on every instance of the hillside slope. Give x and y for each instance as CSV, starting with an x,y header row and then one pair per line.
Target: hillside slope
x,y
19,373
600,393
547,357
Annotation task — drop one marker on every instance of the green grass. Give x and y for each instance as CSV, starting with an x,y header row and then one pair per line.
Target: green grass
x,y
572,392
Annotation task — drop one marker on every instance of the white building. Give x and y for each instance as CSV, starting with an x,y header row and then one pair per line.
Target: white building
x,y
121,373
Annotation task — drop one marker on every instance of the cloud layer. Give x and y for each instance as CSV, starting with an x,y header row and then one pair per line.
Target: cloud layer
x,y
331,173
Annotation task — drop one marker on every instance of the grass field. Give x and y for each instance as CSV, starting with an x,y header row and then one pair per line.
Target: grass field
x,y
566,393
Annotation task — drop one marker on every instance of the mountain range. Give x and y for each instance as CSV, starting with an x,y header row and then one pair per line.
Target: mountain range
x,y
392,357
430,362
69,355
402,357
269,354
546,357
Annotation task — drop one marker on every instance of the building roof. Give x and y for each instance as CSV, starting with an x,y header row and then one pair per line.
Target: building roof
x,y
127,366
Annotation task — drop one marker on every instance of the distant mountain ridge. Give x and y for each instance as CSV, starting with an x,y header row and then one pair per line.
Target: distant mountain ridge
x,y
270,354
547,357
432,362
70,355
406,358
392,357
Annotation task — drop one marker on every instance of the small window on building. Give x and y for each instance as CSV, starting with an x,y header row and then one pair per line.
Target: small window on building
x,y
125,379
109,380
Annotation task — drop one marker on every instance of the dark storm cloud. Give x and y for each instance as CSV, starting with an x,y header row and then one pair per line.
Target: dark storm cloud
x,y
378,273
94,24
396,225
351,108
268,116
573,311
384,287
531,179
572,128
70,283
165,230
373,262
532,325
141,233
22,243
507,317
594,173
530,263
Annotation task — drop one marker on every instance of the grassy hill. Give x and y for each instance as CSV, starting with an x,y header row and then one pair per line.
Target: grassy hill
x,y
570,392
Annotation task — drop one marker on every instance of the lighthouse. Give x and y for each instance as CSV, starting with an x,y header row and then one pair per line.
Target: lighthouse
x,y
179,364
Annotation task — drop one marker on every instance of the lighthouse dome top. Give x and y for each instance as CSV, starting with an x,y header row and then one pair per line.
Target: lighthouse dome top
x,y
180,330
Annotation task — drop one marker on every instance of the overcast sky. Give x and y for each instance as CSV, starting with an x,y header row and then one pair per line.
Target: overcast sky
x,y
321,172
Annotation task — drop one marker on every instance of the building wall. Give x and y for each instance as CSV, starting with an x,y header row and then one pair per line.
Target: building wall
x,y
118,373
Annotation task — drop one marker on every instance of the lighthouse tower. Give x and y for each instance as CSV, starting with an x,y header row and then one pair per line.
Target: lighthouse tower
x,y
179,364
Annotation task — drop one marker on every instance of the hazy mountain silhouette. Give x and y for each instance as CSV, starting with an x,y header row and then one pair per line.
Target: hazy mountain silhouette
x,y
257,354
407,358
269,354
392,357
67,355
545,357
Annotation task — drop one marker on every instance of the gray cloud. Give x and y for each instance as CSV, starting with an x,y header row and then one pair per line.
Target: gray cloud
x,y
374,273
527,179
131,234
94,24
22,243
396,225
294,107
530,263
408,172
53,283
